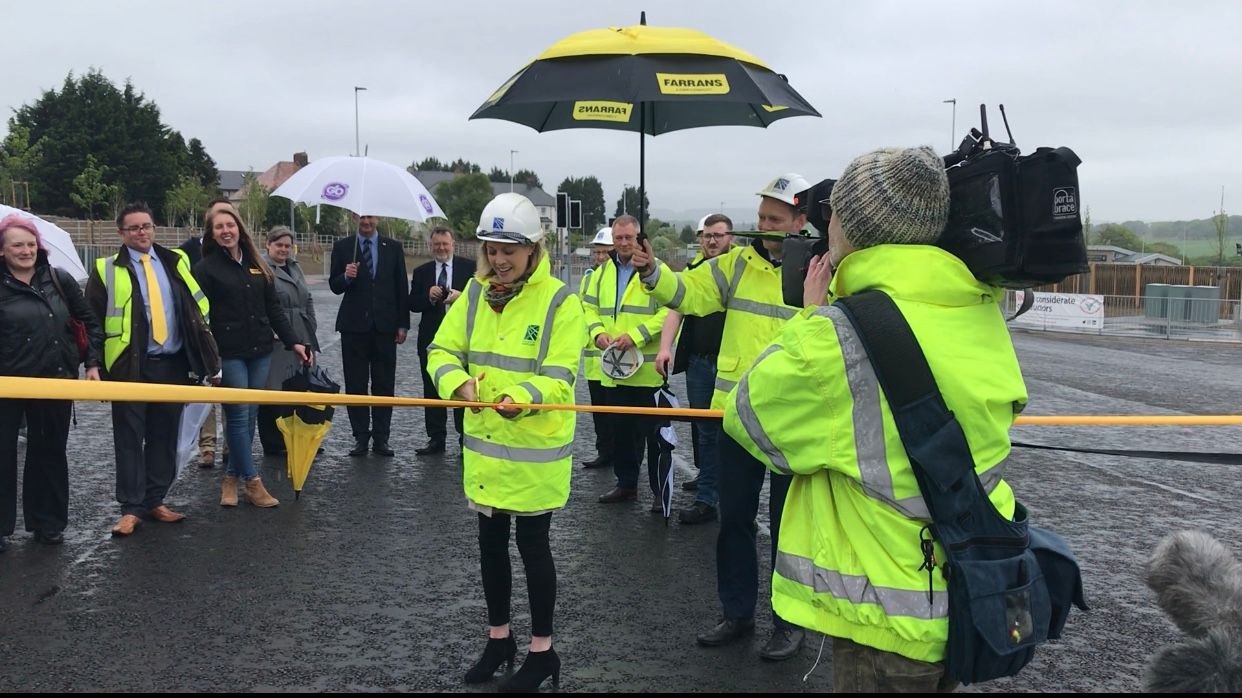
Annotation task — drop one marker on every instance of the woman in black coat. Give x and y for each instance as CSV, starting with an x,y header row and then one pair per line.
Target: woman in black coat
x,y
36,341
244,313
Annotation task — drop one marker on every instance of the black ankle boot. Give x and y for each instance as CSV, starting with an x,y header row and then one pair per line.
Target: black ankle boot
x,y
496,653
537,667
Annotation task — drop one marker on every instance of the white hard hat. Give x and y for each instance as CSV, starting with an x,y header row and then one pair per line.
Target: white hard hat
x,y
620,364
702,221
510,218
786,188
603,237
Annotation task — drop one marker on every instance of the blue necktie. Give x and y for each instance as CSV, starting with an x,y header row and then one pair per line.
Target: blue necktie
x,y
442,280
367,258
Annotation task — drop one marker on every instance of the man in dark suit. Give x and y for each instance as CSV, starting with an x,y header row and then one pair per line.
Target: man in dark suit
x,y
434,286
373,319
155,321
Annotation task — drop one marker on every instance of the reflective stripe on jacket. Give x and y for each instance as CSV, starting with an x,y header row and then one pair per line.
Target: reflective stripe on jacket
x,y
528,352
118,317
590,352
743,284
639,316
849,559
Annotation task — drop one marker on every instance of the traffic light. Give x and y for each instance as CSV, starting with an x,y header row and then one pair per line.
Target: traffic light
x,y
562,209
575,215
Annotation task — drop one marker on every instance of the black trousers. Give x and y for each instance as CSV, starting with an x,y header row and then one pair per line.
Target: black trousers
x,y
369,357
436,418
45,483
631,433
737,560
601,420
532,541
269,433
144,436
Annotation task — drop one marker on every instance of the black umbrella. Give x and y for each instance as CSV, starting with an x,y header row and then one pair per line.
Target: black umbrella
x,y
647,79
666,438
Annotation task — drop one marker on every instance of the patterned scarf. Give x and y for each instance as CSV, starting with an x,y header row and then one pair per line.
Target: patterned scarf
x,y
498,295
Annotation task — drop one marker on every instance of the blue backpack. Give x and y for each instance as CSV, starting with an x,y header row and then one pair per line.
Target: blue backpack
x,y
1011,584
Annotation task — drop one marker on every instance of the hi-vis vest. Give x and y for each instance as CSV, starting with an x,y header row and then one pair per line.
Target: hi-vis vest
x,y
529,352
118,322
638,316
849,562
744,285
590,352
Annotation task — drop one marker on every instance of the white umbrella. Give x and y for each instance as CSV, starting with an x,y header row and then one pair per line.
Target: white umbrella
x,y
61,252
362,185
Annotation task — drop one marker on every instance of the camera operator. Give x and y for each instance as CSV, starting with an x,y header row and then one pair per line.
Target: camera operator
x,y
745,284
849,562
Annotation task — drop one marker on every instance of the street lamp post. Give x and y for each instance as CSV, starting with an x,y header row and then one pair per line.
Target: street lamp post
x,y
357,140
953,128
511,152
625,189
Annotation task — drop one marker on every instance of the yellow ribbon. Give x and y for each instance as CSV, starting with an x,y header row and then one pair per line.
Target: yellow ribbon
x,y
119,391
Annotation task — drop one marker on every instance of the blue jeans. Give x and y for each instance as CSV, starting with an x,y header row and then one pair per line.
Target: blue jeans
x,y
239,420
700,384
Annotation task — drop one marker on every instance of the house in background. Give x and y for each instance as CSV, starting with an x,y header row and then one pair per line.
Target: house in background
x,y
1111,254
544,202
230,183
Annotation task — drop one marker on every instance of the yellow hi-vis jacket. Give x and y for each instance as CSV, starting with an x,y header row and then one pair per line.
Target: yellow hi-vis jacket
x,y
528,352
747,288
638,316
590,352
118,320
849,559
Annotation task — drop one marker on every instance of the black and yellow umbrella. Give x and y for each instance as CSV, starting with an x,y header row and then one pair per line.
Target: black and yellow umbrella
x,y
304,426
647,79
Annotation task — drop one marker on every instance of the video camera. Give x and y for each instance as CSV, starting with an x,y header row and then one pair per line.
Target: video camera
x,y
1013,219
801,248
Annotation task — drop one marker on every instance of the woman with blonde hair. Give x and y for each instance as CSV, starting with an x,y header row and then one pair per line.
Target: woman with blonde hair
x,y
244,312
514,338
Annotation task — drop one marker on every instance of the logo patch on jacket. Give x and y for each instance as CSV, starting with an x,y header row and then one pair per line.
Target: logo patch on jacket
x,y
532,334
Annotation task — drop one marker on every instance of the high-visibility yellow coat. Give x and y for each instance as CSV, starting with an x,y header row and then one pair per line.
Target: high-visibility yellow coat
x,y
528,352
849,556
743,284
118,318
590,352
639,317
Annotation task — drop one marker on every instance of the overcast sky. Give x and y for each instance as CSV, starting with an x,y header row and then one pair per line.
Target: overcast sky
x,y
1145,92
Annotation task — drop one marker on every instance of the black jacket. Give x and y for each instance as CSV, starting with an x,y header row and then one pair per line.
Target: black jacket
x,y
370,305
244,307
35,338
423,278
193,248
699,335
200,347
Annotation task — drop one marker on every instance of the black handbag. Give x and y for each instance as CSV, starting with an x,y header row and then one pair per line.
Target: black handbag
x,y
1010,584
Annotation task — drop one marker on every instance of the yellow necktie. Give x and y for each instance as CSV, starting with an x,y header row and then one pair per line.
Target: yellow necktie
x,y
159,328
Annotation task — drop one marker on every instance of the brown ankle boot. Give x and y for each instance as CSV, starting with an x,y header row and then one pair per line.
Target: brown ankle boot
x,y
228,491
257,495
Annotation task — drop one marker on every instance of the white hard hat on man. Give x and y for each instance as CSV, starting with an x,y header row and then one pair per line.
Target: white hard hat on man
x,y
786,188
510,218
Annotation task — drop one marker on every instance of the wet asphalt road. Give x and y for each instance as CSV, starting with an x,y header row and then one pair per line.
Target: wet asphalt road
x,y
370,582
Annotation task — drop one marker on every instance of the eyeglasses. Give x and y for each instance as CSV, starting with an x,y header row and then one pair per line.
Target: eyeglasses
x,y
145,228
713,237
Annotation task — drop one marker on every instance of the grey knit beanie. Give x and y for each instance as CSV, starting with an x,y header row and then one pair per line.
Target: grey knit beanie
x,y
893,196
